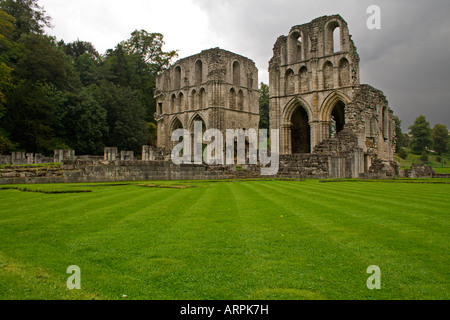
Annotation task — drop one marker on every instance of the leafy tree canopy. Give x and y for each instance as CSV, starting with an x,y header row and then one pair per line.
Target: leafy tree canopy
x,y
421,135
440,138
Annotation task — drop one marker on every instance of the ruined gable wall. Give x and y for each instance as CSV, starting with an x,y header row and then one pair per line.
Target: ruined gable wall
x,y
224,93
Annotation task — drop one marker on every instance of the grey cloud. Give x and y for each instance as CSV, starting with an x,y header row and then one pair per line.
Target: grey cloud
x,y
407,58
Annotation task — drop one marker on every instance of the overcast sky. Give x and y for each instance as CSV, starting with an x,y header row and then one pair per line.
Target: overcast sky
x,y
408,59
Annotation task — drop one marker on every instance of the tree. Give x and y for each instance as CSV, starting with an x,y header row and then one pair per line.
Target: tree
x,y
400,139
78,48
86,60
420,135
264,96
125,116
41,60
407,139
440,138
149,47
403,153
424,157
88,69
5,85
6,32
135,63
42,73
30,116
29,16
86,123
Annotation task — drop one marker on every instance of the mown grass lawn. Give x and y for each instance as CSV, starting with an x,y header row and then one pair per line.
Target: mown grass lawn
x,y
226,240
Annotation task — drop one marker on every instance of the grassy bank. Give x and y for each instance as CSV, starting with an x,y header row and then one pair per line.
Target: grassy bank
x,y
226,240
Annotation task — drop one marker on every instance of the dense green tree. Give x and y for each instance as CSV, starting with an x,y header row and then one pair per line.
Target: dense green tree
x,y
88,69
41,74
41,60
6,33
86,60
78,48
55,95
135,63
440,138
402,153
30,116
149,47
29,16
407,139
5,85
125,117
424,157
420,135
86,120
264,96
400,139
6,44
6,80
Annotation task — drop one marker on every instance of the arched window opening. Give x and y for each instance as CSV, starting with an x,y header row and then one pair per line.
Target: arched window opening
x,y
300,131
173,99
337,39
328,79
194,99
202,98
289,82
304,80
337,122
236,73
232,99
199,72
180,103
333,37
177,78
176,124
295,48
344,72
240,99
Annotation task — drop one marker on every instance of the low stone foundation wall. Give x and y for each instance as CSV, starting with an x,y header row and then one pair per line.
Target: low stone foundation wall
x,y
313,166
420,171
299,166
86,171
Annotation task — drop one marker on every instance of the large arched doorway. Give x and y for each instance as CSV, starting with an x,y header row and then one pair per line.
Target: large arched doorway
x,y
197,118
176,124
337,119
300,131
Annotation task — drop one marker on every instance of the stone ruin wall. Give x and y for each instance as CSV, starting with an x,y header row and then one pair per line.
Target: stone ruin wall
x,y
310,77
217,87
220,88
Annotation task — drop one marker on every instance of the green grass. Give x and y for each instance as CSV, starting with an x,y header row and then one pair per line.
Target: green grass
x,y
226,240
441,166
441,170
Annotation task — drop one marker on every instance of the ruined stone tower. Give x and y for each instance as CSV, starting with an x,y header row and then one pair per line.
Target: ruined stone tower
x,y
318,103
217,87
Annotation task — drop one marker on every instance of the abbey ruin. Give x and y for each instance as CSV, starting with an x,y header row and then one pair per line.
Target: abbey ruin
x,y
319,105
330,125
217,87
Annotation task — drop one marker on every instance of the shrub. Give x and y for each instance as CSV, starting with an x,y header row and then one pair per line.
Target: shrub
x,y
403,153
424,157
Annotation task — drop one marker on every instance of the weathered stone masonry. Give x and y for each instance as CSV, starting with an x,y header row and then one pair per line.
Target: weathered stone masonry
x,y
216,87
319,105
330,125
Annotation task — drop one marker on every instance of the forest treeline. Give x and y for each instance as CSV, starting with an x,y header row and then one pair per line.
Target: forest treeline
x,y
57,95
